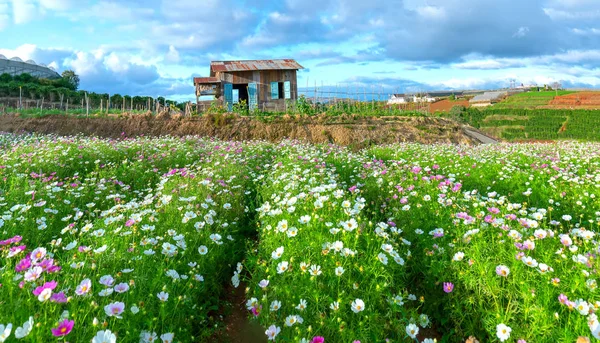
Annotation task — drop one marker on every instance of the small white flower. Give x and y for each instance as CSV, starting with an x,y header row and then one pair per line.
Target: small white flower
x,y
503,332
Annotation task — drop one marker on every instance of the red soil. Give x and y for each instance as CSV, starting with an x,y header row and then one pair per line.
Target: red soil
x,y
587,100
446,105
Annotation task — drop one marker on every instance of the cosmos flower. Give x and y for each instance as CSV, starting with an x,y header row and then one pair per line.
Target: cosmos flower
x,y
84,287
358,306
104,337
412,330
167,337
5,331
114,309
25,329
502,270
282,267
448,287
503,332
63,328
272,332
163,296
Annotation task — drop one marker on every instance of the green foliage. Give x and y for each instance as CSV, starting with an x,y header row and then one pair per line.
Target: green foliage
x,y
539,124
71,79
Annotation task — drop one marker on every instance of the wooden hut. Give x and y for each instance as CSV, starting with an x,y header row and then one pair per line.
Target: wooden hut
x,y
268,85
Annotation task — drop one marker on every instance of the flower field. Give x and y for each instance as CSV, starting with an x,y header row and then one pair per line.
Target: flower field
x,y
137,240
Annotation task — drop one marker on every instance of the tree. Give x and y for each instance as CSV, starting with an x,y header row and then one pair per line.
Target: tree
x,y
5,78
71,78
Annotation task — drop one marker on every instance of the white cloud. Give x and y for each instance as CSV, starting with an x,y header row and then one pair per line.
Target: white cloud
x,y
173,55
431,12
558,14
24,11
24,52
521,32
59,5
586,32
4,15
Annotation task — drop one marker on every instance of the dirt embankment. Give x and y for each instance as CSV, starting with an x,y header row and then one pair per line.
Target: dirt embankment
x,y
343,130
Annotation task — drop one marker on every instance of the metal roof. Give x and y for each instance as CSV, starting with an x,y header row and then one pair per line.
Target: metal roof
x,y
488,96
15,66
206,80
227,66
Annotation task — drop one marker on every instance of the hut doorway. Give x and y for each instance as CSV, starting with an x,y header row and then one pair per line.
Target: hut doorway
x,y
242,89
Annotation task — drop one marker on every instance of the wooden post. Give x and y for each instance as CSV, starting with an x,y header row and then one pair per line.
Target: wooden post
x,y
101,103
87,105
20,98
67,107
108,105
123,107
62,96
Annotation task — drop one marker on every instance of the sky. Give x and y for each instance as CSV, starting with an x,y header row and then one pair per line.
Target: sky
x,y
156,47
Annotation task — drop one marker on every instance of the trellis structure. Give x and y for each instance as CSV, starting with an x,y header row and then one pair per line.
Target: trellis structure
x,y
15,66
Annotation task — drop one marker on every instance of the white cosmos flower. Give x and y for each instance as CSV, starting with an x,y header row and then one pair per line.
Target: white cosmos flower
x,y
104,337
5,331
503,332
282,267
302,305
358,306
412,330
167,337
275,305
339,271
459,256
203,250
277,253
45,295
24,330
162,296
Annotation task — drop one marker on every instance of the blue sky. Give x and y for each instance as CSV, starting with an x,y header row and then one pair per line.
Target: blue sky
x,y
155,47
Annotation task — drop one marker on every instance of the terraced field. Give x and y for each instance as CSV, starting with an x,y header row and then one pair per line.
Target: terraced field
x,y
512,124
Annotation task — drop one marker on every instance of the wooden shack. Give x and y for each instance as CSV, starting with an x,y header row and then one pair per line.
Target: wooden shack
x,y
269,85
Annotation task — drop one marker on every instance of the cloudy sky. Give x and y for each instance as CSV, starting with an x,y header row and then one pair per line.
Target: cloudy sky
x,y
155,47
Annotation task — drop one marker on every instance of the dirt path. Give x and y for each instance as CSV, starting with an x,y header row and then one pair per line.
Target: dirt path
x,y
480,137
237,327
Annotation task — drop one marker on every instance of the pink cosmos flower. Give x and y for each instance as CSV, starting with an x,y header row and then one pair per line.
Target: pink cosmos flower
x,y
318,339
563,299
107,280
256,310
84,287
13,251
63,328
114,309
50,285
60,298
448,287
121,287
23,265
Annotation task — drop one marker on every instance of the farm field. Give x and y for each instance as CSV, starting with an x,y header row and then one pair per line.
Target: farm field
x,y
590,100
537,124
530,100
139,239
446,105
